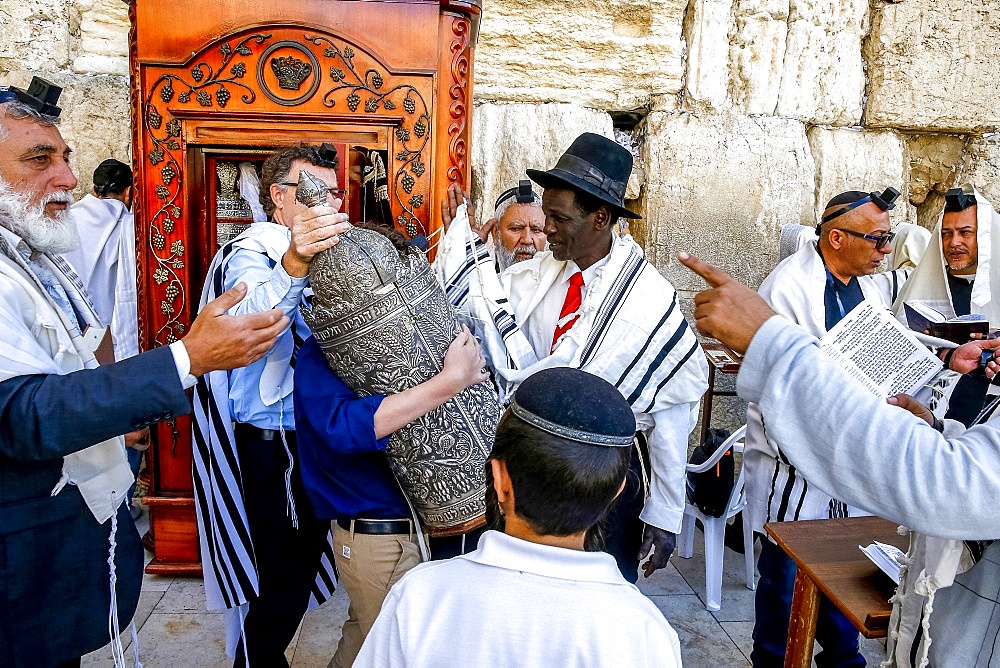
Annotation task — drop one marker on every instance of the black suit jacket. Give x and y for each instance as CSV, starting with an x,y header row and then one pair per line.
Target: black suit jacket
x,y
54,576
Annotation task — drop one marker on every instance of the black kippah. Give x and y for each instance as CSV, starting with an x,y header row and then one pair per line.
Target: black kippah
x,y
575,405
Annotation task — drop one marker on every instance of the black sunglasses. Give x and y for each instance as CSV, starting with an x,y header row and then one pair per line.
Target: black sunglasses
x,y
880,240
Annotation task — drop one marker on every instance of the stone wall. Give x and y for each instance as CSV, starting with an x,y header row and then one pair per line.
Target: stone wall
x,y
752,112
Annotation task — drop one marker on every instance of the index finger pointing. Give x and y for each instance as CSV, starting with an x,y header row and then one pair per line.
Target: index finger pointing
x,y
712,275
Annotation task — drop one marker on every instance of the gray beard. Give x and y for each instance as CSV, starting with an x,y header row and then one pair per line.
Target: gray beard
x,y
40,232
506,258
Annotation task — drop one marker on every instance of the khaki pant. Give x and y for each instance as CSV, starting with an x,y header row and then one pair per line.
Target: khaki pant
x,y
374,564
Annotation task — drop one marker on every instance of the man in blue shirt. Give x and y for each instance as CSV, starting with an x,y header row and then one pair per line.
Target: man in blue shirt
x,y
261,543
342,441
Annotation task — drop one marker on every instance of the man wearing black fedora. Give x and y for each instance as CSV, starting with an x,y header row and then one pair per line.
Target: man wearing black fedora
x,y
592,302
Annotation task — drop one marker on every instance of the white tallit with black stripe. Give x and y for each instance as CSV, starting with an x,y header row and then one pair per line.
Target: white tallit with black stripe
x,y
226,549
631,332
776,492
637,346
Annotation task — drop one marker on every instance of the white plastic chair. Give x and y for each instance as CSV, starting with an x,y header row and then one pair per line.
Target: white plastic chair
x,y
715,527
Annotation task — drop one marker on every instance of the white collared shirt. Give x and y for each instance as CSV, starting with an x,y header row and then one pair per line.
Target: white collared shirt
x,y
516,603
541,324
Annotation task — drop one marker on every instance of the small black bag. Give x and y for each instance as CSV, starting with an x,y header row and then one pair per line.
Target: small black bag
x,y
710,490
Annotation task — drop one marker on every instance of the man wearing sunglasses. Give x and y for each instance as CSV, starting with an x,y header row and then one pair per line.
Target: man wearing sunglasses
x,y
260,539
815,287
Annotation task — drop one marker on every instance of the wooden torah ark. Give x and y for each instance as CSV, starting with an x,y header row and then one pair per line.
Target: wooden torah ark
x,y
215,86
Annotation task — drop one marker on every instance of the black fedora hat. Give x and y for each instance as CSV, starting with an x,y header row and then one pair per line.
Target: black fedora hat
x,y
595,165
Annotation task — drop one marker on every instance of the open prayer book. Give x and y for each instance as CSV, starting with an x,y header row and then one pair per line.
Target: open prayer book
x,y
888,558
878,352
922,318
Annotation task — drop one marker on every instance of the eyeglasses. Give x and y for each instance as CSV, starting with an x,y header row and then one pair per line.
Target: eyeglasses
x,y
880,240
336,192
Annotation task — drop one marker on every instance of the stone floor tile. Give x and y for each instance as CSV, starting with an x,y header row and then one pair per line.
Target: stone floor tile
x,y
190,639
666,581
156,582
320,633
183,595
703,640
147,603
741,633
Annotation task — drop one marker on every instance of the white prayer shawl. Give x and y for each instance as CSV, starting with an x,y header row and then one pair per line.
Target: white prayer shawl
x,y
227,554
37,337
636,346
105,262
516,603
929,281
631,332
793,237
795,290
909,246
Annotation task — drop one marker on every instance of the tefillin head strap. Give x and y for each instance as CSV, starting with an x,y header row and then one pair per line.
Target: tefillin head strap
x,y
886,201
522,194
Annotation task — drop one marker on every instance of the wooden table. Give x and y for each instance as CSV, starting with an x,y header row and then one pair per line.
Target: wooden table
x,y
721,359
830,563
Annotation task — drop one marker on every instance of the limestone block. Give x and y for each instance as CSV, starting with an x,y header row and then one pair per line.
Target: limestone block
x,y
606,54
721,187
757,53
706,28
103,45
932,66
982,167
823,75
934,163
848,159
510,138
35,35
798,58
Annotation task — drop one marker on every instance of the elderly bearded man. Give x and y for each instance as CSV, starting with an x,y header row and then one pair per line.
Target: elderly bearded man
x,y
63,472
815,288
954,278
517,228
593,302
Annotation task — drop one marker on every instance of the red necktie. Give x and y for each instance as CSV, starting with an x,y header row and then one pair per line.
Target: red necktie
x,y
568,316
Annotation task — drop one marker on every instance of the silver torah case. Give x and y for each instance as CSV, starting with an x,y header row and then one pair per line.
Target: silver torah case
x,y
384,325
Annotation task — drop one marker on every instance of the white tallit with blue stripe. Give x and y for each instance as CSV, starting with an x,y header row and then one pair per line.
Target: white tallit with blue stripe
x,y
227,555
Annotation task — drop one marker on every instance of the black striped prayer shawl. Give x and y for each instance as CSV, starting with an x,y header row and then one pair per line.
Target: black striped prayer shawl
x,y
227,551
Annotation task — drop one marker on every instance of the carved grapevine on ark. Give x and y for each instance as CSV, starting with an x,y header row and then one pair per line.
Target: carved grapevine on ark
x,y
210,87
366,91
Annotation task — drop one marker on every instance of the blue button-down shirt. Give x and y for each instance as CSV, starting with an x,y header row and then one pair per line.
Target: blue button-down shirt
x,y
344,467
268,286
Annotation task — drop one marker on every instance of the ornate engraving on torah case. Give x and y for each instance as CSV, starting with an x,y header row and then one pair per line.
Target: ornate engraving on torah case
x,y
385,324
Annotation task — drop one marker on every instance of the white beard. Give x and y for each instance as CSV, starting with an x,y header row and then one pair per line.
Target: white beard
x,y
42,233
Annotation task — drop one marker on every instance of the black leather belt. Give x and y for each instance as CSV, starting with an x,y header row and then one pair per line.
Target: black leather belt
x,y
377,527
256,432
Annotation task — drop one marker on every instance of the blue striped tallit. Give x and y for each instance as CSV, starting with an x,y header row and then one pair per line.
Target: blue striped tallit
x,y
230,568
